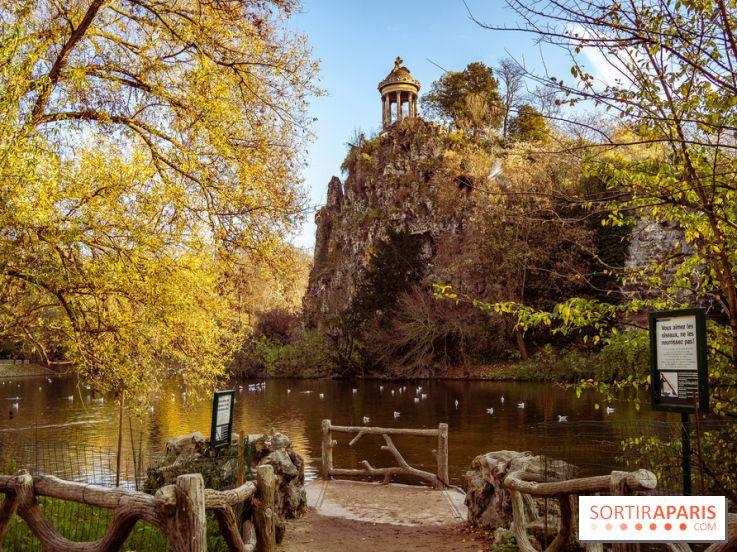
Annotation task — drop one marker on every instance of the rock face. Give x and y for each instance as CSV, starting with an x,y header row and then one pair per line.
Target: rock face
x,y
408,179
655,242
651,241
191,453
419,179
489,504
289,467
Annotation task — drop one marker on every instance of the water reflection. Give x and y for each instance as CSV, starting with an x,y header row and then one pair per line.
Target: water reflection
x,y
52,410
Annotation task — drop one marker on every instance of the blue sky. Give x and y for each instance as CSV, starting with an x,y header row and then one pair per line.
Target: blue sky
x,y
356,43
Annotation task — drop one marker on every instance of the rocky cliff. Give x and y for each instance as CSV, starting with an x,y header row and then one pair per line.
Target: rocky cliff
x,y
412,179
421,205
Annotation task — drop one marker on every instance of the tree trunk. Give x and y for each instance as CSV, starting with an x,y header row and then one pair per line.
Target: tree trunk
x,y
521,344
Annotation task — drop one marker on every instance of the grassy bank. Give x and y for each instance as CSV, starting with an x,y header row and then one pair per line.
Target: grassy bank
x,y
83,523
17,370
625,354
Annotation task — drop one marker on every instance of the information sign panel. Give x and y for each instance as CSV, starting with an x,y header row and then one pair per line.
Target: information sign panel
x,y
678,365
222,418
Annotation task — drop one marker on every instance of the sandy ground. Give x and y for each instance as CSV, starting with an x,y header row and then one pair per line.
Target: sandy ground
x,y
318,533
352,516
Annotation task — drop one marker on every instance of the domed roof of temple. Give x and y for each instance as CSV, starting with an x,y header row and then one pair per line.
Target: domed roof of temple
x,y
400,74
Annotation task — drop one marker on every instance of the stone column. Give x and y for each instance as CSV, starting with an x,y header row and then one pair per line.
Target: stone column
x,y
386,106
399,105
414,106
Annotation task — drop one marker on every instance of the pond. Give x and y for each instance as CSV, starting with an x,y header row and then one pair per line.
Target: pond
x,y
50,410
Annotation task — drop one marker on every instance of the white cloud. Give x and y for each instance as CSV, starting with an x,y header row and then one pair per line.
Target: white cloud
x,y
606,69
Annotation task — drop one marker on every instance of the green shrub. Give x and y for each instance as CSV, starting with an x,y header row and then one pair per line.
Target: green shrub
x,y
307,356
276,325
625,354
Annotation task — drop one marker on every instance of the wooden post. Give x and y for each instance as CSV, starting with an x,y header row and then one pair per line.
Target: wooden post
x,y
520,522
442,456
9,508
263,515
248,536
189,519
618,487
566,523
241,457
327,449
120,439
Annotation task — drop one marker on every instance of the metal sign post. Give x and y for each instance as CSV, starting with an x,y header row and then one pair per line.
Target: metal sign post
x,y
678,371
222,418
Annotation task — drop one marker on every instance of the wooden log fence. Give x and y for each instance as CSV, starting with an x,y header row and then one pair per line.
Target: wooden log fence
x,y
178,511
524,483
438,479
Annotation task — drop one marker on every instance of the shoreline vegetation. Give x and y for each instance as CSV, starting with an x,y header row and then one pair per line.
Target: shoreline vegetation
x,y
22,370
622,357
549,363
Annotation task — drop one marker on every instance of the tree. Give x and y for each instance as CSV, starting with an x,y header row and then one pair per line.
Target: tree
x,y
468,99
396,265
528,125
673,83
511,76
526,243
143,145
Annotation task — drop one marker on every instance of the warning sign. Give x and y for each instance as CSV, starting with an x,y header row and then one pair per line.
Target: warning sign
x,y
678,360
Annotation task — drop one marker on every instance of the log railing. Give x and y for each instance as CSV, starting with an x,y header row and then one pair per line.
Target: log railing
x,y
523,484
438,479
178,511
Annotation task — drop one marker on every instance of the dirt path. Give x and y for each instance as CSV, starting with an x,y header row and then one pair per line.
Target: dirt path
x,y
319,533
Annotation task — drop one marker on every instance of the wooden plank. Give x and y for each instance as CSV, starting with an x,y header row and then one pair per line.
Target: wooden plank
x,y
383,430
177,510
520,522
387,473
